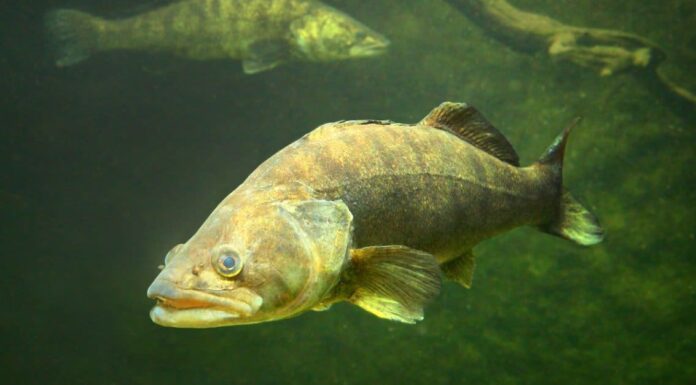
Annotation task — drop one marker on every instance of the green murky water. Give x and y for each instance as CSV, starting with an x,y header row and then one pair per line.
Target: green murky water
x,y
107,164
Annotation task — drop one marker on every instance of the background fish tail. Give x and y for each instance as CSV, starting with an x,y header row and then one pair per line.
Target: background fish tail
x,y
74,35
573,221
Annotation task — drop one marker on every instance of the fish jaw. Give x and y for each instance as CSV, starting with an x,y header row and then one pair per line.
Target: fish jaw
x,y
374,45
189,308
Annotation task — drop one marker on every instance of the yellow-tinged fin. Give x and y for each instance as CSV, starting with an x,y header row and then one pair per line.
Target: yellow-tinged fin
x,y
74,35
461,269
264,55
392,282
470,125
573,221
322,307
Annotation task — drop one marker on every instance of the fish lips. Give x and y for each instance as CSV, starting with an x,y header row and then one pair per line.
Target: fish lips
x,y
188,308
372,46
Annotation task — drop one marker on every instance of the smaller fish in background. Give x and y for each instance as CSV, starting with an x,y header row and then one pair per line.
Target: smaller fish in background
x,y
261,33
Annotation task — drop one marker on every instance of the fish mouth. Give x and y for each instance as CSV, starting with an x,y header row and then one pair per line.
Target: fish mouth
x,y
189,308
372,46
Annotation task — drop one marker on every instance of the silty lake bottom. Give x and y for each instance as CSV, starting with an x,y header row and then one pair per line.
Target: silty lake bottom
x,y
108,164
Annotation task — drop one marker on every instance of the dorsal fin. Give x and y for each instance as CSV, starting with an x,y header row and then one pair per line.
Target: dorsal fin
x,y
470,125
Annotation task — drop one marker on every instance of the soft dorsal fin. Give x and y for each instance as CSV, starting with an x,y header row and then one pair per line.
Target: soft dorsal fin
x,y
470,125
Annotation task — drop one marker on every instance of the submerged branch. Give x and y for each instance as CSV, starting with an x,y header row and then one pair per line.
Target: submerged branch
x,y
605,51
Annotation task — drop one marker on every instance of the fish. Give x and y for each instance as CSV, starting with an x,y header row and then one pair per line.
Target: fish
x,y
263,34
369,212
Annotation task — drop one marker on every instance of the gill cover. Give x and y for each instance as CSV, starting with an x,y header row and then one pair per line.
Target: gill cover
x,y
324,229
326,34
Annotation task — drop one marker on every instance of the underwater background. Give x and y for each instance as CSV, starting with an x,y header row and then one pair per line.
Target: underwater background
x,y
107,164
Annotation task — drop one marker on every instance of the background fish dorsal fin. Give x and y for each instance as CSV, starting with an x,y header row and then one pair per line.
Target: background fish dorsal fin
x,y
470,125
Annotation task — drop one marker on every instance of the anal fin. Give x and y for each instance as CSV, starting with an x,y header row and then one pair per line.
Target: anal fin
x,y
460,269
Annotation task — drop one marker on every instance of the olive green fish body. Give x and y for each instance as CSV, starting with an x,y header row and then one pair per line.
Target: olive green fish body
x,y
261,33
413,185
203,29
369,212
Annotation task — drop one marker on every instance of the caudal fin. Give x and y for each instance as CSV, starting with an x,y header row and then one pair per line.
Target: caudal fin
x,y
576,223
73,35
573,222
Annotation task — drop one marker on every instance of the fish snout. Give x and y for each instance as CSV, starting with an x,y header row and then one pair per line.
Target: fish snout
x,y
176,303
374,44
161,289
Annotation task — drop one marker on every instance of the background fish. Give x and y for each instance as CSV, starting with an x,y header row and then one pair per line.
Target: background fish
x,y
261,33
366,212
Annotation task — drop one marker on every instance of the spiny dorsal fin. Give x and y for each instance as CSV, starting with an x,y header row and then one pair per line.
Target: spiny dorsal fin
x,y
470,125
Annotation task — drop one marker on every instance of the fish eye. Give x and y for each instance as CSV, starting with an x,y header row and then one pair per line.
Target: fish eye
x,y
361,35
228,264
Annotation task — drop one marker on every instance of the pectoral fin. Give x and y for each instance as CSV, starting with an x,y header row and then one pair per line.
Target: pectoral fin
x,y
264,55
392,282
461,269
322,307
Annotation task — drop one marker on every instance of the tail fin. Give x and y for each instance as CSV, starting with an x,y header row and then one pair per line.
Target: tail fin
x,y
574,222
73,34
